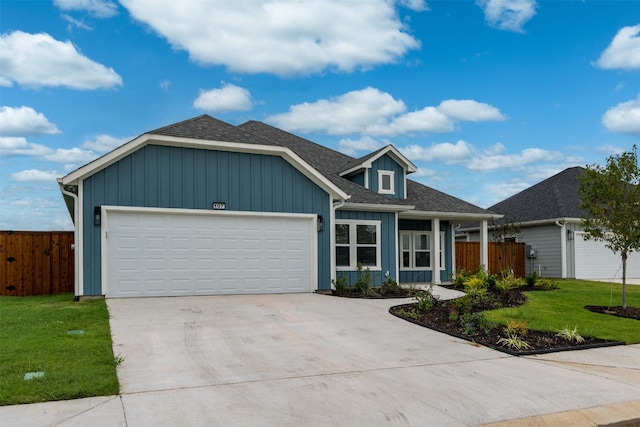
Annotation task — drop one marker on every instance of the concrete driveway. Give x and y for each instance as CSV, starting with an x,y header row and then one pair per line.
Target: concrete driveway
x,y
308,359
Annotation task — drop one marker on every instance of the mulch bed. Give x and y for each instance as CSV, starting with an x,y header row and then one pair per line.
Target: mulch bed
x,y
629,312
438,318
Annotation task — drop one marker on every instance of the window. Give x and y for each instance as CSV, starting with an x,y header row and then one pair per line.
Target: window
x,y
357,242
415,250
386,182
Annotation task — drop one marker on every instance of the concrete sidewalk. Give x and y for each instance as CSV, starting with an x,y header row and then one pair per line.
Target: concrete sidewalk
x,y
310,359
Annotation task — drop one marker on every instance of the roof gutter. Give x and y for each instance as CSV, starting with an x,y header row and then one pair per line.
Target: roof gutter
x,y
467,217
375,207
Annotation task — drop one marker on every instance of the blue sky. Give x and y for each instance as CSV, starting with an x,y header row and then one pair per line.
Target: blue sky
x,y
486,97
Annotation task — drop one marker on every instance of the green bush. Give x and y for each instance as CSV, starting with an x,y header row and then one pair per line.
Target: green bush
x,y
425,300
531,278
546,284
340,284
471,322
363,282
475,286
390,287
508,282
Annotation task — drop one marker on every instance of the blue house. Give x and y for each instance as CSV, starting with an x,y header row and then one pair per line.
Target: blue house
x,y
202,207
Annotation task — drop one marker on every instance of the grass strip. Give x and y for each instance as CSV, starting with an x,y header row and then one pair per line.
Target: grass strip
x,y
564,307
63,346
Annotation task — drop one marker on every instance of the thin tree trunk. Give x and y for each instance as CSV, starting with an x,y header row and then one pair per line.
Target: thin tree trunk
x,y
624,279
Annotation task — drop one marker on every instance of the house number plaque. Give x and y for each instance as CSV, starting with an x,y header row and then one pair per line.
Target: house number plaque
x,y
219,206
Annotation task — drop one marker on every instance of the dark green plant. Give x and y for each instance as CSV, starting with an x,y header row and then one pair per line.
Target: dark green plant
x,y
531,279
390,287
461,305
425,300
340,284
363,281
471,322
409,314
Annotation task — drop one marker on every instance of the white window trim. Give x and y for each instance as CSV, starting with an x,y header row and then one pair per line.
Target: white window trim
x,y
353,246
391,175
412,233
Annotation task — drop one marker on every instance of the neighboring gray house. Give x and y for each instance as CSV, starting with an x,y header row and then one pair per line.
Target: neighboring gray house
x,y
202,207
548,218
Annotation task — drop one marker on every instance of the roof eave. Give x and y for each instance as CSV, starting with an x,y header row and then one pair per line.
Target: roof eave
x,y
376,207
460,216
113,156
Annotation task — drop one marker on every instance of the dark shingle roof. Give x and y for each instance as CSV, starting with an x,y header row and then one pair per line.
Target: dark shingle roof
x,y
209,128
555,197
325,160
429,200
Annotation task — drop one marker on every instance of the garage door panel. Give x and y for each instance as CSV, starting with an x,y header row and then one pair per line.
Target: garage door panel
x,y
596,262
152,254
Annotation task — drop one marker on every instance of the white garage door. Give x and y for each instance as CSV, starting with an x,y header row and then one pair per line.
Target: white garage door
x,y
595,262
164,254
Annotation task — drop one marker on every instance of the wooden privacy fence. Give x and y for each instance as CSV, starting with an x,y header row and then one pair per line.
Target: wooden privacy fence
x,y
502,256
36,262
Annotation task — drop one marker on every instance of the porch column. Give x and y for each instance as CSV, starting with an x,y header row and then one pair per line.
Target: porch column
x,y
484,244
435,252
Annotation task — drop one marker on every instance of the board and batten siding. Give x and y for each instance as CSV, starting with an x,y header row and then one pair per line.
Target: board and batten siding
x,y
388,164
387,243
189,178
426,276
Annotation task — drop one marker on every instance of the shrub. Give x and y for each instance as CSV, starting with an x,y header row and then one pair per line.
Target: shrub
x,y
508,282
471,322
461,305
570,334
531,278
515,327
475,286
425,300
390,287
409,314
546,284
340,284
363,282
514,342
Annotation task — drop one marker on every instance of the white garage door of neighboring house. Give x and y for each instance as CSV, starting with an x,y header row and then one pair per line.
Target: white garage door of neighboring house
x,y
170,254
594,261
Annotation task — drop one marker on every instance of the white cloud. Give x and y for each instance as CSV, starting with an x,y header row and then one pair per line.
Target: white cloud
x,y
470,110
97,8
19,146
624,117
489,160
228,98
34,175
444,152
415,5
70,155
284,37
24,121
104,143
37,60
76,23
351,113
429,119
351,146
624,50
375,113
510,15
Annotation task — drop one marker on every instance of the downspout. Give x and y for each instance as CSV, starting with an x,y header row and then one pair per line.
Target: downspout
x,y
76,233
563,246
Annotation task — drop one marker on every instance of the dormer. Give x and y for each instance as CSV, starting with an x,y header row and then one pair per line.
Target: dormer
x,y
384,171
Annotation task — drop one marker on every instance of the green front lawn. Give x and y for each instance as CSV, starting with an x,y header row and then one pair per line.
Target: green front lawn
x,y
35,338
564,307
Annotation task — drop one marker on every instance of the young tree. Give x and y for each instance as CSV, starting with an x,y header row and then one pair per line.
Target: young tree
x,y
610,201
